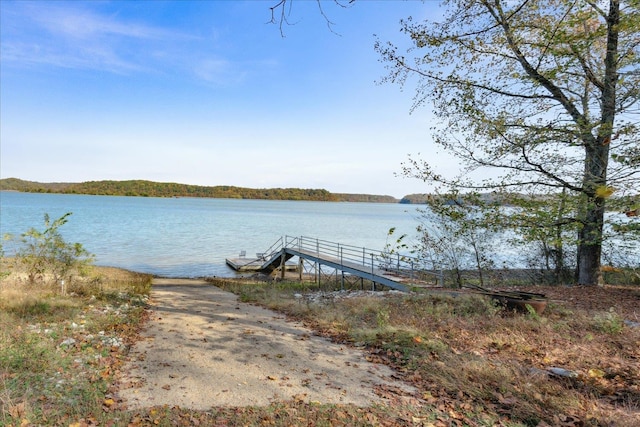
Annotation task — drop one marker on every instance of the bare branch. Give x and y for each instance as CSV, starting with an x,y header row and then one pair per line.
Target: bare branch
x,y
281,11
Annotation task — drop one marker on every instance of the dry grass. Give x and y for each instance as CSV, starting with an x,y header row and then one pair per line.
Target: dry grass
x,y
473,364
483,365
59,351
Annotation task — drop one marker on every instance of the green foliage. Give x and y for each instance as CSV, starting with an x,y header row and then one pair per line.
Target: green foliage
x,y
545,224
542,95
394,250
47,257
436,307
364,198
155,189
32,309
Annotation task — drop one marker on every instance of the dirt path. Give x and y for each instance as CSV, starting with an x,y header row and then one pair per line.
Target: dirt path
x,y
204,348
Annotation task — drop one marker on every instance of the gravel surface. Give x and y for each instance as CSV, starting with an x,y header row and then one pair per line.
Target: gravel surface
x,y
203,348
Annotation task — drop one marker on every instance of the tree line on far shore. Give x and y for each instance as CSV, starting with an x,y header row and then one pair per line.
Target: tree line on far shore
x,y
142,188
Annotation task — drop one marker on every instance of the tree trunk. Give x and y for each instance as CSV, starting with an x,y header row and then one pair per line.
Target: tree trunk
x,y
558,246
592,215
590,248
597,160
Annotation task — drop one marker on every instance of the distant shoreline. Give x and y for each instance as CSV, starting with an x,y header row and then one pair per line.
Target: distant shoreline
x,y
142,188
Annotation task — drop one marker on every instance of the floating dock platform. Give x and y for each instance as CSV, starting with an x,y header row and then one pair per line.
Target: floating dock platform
x,y
254,264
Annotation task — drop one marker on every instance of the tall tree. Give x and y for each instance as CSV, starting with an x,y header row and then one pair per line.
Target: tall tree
x,y
543,91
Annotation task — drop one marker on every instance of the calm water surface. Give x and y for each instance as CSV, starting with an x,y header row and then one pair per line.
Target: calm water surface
x,y
191,237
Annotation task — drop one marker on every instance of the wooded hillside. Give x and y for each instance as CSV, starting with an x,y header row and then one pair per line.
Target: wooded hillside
x,y
142,188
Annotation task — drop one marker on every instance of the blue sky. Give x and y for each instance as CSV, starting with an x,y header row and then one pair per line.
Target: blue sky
x,y
208,93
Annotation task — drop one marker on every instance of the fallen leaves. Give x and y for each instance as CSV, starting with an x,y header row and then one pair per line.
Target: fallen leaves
x,y
596,373
17,410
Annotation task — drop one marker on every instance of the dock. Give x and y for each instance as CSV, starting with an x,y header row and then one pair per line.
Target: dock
x,y
247,264
392,270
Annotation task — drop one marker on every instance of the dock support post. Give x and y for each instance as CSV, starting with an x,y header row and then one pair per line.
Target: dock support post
x,y
411,277
282,265
315,272
373,284
300,267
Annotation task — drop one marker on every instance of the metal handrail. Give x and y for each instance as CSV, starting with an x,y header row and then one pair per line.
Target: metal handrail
x,y
275,248
376,260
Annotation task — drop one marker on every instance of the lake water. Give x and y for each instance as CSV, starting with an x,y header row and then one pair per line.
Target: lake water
x,y
191,237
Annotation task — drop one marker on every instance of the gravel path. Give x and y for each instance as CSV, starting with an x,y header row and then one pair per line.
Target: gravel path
x,y
203,348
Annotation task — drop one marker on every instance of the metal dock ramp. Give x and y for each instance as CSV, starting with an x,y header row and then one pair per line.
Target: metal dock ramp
x,y
389,269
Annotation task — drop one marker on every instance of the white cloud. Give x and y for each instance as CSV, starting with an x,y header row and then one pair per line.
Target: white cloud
x,y
68,35
218,71
72,20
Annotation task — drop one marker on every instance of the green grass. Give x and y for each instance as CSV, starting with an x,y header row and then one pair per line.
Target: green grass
x,y
57,359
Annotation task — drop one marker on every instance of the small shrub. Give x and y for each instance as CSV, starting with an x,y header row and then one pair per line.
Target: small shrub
x,y
609,323
436,346
474,305
47,257
382,318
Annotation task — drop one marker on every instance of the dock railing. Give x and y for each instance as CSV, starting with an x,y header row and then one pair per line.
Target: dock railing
x,y
375,261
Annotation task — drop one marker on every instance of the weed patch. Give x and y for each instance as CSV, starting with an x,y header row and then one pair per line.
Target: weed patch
x,y
59,354
608,323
